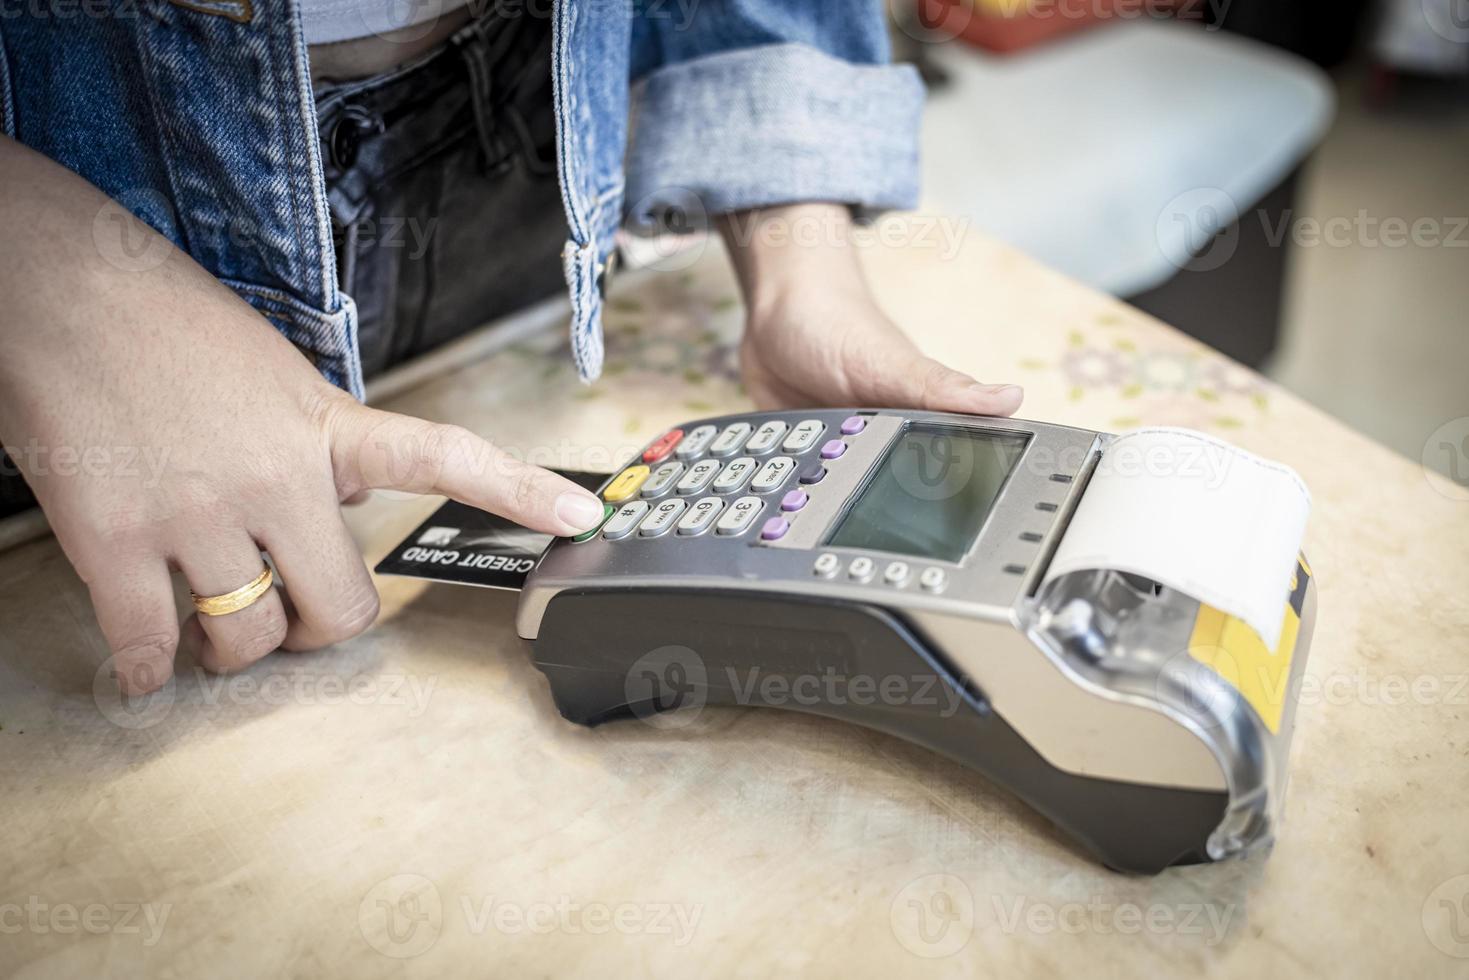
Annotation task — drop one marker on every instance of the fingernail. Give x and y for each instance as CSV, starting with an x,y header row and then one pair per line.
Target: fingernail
x,y
579,510
998,389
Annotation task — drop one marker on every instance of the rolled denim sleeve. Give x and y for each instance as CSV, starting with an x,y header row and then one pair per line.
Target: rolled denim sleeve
x,y
773,124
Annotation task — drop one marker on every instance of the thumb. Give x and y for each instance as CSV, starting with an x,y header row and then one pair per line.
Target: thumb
x,y
921,382
381,450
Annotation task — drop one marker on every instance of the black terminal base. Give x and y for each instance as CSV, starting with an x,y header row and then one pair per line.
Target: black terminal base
x,y
612,654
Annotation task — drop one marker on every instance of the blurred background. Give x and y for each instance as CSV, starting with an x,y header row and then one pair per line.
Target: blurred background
x,y
1287,180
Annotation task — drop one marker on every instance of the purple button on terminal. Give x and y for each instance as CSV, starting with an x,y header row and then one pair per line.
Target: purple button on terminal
x,y
793,500
774,528
833,449
853,425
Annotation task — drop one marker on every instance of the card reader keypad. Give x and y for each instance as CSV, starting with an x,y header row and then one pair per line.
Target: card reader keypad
x,y
712,478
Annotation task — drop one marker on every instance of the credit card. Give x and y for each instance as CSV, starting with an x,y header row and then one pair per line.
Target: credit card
x,y
466,546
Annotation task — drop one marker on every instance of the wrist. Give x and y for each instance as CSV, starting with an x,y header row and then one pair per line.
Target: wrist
x,y
784,254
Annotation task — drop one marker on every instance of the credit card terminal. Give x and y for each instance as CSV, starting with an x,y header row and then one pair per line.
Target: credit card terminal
x,y
888,568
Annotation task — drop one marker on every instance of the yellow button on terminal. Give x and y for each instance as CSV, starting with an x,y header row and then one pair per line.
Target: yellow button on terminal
x,y
626,484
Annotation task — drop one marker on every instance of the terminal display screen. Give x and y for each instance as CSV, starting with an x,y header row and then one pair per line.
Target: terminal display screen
x,y
932,492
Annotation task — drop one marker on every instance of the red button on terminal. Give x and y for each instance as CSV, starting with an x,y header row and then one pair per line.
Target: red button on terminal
x,y
663,448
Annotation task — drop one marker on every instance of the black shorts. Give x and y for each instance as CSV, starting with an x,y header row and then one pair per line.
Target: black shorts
x,y
441,178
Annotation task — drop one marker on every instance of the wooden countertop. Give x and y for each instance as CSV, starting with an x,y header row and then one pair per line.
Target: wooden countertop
x,y
411,802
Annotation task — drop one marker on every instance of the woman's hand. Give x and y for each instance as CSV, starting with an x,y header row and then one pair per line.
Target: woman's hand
x,y
815,336
195,436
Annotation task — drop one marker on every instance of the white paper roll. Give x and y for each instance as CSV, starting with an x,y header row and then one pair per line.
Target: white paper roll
x,y
1196,514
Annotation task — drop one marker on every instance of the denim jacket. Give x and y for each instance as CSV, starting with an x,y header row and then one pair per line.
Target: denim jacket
x,y
198,116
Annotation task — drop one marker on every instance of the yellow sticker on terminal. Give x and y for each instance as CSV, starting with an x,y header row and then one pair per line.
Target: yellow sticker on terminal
x,y
1236,653
626,484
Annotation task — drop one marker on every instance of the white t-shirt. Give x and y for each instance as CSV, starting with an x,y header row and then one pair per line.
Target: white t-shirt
x,y
327,21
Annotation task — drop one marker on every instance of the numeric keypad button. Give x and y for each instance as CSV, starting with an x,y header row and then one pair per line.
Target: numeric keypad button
x,y
621,524
698,476
700,516
661,480
662,518
773,474
766,438
740,515
731,440
735,475
803,436
696,441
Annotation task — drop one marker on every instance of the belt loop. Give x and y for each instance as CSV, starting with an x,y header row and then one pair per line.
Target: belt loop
x,y
470,42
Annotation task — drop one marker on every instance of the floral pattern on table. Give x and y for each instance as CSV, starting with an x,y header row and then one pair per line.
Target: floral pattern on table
x,y
1200,387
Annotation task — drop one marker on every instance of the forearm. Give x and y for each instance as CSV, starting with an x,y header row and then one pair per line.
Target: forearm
x,y
76,257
